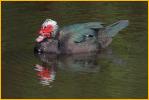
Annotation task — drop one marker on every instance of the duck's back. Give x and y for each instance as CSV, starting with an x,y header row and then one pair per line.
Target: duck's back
x,y
74,39
76,32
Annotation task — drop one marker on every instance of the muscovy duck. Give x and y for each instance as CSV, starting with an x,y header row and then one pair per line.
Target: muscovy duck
x,y
76,38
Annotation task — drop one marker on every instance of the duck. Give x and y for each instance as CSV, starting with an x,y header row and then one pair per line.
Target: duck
x,y
76,38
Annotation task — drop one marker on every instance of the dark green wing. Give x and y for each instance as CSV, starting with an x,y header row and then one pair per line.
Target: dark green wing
x,y
78,32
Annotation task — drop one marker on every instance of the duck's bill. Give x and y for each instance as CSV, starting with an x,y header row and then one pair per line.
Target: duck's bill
x,y
40,38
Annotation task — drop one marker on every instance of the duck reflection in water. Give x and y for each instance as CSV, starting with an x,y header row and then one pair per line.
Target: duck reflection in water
x,y
46,75
78,63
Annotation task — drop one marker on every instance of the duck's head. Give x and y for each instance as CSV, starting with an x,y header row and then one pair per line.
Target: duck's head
x,y
44,43
48,29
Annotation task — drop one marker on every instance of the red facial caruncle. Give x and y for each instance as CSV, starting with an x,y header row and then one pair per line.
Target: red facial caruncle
x,y
46,30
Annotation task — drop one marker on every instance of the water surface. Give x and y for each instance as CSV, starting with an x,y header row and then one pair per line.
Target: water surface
x,y
120,71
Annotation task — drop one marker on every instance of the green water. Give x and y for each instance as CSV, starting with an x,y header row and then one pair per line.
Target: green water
x,y
118,72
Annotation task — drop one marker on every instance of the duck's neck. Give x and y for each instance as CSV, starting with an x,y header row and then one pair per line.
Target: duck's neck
x,y
56,35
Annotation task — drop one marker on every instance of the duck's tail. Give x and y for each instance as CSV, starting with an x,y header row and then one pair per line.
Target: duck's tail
x,y
114,28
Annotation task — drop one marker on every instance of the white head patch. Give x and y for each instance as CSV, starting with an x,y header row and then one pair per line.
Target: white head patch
x,y
49,22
